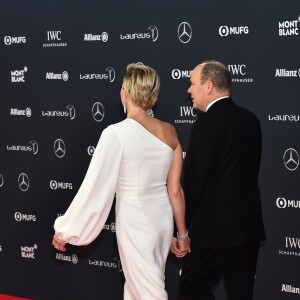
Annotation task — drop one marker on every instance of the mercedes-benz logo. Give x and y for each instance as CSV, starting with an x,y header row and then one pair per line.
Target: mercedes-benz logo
x,y
111,73
104,36
139,63
72,111
1,180
98,112
59,148
291,159
154,32
23,182
35,147
184,32
281,202
223,31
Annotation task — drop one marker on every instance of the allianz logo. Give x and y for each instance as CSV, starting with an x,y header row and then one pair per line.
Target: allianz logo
x,y
111,227
33,147
21,112
287,73
287,288
284,203
54,185
109,75
288,28
69,112
68,258
24,217
18,75
88,37
178,74
152,34
284,118
291,242
58,76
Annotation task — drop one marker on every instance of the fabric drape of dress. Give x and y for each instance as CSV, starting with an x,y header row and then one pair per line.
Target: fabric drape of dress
x,y
133,163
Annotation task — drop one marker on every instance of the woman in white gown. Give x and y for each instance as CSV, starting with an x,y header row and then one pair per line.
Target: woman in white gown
x,y
140,160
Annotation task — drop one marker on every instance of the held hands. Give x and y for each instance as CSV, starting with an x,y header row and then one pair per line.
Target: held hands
x,y
180,248
58,243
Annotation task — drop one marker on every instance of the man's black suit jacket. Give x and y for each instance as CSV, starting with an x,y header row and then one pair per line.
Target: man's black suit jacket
x,y
221,177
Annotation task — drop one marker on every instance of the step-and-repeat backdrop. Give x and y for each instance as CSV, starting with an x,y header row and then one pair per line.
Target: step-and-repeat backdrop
x,y
61,68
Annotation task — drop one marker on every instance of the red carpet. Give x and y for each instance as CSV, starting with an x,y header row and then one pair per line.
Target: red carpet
x,y
6,297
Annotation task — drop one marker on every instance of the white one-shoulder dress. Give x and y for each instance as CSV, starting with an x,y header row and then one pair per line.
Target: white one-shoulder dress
x,y
133,163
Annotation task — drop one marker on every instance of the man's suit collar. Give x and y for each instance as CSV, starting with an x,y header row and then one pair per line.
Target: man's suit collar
x,y
220,103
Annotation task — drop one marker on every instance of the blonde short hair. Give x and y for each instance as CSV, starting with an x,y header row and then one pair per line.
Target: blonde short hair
x,y
142,85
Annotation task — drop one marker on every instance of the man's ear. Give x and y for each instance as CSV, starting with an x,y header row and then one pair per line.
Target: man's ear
x,y
209,87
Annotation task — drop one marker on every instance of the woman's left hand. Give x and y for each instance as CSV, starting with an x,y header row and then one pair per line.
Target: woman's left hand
x,y
58,243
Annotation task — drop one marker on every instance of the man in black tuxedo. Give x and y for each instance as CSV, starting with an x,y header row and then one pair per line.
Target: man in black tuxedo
x,y
224,214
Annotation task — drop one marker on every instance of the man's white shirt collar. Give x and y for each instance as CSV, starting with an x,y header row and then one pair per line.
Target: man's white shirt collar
x,y
213,102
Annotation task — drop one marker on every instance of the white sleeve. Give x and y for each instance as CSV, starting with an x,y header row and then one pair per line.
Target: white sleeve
x,y
87,214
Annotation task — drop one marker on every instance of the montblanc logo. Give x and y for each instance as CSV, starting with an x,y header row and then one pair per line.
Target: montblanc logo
x,y
18,75
32,147
64,76
291,159
233,30
284,118
287,288
28,252
184,32
89,37
59,148
286,203
69,112
91,150
151,34
54,185
21,112
287,73
74,258
23,182
24,217
109,75
288,28
111,227
181,74
98,112
54,39
238,73
8,40
187,115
